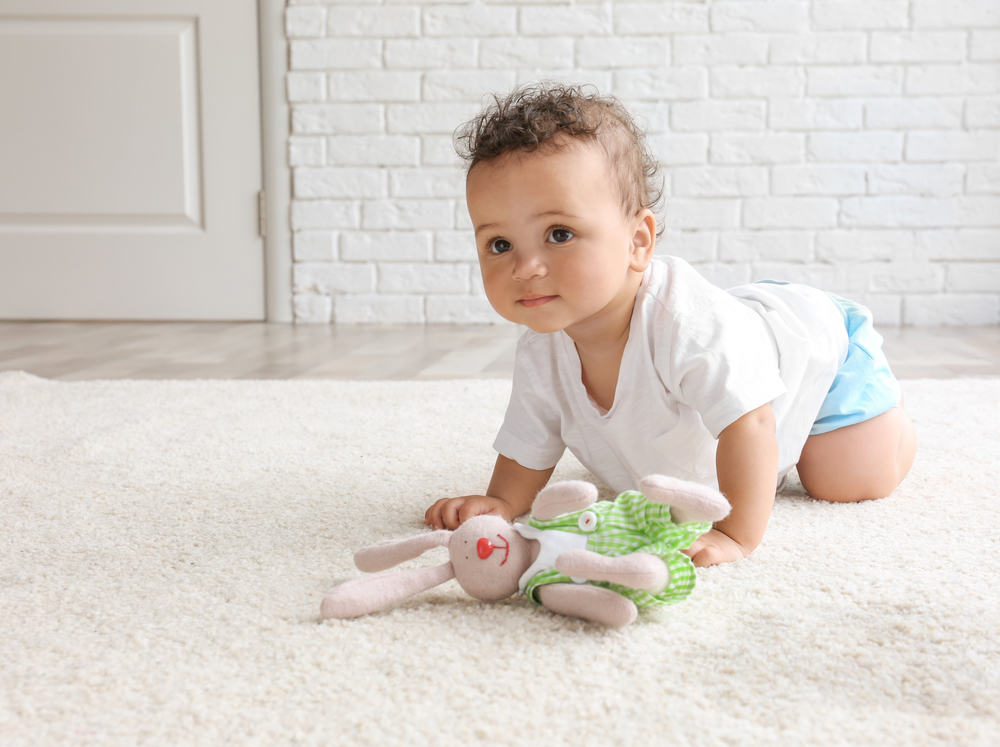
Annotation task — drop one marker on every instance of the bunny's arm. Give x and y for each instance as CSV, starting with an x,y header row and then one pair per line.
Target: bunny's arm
x,y
593,603
688,501
563,498
636,571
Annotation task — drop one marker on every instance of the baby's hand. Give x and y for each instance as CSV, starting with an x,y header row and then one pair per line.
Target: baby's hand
x,y
715,548
448,513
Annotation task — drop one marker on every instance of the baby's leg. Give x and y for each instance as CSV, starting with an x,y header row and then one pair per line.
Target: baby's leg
x,y
861,461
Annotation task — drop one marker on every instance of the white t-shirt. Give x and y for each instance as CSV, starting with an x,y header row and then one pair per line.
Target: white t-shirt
x,y
697,358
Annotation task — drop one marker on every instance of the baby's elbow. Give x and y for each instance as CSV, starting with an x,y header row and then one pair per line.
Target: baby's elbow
x,y
763,417
760,420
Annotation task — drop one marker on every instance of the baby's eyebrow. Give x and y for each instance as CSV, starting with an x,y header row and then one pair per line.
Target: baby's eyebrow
x,y
559,213
542,214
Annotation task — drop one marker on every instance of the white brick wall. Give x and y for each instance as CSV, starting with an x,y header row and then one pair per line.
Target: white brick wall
x,y
852,145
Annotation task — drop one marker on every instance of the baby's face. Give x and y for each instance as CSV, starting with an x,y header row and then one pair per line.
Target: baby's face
x,y
556,249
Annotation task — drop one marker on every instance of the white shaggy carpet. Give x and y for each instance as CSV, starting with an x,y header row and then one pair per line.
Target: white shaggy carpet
x,y
164,547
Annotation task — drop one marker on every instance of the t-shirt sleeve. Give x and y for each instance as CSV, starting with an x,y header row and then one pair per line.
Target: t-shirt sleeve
x,y
531,432
714,353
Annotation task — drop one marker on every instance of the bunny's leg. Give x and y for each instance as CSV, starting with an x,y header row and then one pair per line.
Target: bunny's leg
x,y
592,603
639,570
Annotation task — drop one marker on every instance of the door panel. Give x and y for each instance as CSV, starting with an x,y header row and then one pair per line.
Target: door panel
x,y
130,160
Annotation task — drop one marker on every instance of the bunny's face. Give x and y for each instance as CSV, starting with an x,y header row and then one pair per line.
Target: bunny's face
x,y
488,556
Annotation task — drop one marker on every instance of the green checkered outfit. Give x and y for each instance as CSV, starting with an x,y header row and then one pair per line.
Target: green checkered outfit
x,y
630,524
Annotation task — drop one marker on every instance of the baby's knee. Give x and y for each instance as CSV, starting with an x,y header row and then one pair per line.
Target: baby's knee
x,y
879,486
860,462
840,481
846,487
840,494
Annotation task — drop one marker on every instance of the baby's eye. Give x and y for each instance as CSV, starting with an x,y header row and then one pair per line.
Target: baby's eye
x,y
499,246
560,235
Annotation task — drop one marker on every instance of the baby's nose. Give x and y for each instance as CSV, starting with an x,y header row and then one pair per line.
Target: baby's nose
x,y
529,266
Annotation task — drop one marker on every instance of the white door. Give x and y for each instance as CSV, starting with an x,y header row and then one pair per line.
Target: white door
x,y
130,160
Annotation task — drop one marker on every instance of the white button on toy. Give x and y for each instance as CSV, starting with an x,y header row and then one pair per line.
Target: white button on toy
x,y
587,521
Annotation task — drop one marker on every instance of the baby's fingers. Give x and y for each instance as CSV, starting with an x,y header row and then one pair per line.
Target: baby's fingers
x,y
432,515
696,547
450,512
443,510
477,507
715,548
704,553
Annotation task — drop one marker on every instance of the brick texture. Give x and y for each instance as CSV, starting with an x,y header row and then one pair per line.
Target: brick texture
x,y
851,145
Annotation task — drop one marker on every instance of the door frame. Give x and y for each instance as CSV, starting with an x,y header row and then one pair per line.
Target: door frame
x,y
276,175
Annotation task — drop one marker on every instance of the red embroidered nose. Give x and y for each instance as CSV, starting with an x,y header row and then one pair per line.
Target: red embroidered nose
x,y
485,548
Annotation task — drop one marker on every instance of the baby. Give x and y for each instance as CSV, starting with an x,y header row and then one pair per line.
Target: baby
x,y
639,365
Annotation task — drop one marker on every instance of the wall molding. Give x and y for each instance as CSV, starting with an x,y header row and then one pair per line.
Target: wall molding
x,y
276,173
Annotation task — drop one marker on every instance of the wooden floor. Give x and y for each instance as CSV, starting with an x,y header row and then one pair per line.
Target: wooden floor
x,y
99,350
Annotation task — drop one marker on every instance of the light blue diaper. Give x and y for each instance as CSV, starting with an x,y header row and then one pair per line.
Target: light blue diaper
x,y
864,386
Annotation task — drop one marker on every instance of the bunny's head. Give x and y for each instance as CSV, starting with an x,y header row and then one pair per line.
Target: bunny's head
x,y
486,556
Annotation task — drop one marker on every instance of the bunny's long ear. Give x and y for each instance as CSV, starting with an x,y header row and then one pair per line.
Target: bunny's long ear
x,y
373,593
387,554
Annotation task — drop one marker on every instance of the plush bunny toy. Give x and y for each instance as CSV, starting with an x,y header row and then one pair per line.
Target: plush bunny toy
x,y
598,560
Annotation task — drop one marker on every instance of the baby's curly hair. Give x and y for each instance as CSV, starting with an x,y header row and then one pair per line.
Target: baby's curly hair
x,y
532,117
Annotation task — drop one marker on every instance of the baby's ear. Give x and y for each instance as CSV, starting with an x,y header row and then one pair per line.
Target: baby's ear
x,y
643,240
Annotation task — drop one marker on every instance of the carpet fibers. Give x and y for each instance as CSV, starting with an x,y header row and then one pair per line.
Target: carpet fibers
x,y
164,547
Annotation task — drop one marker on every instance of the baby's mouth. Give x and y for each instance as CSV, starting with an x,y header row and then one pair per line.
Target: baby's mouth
x,y
532,301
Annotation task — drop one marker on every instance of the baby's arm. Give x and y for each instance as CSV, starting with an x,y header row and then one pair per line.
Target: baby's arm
x,y
746,463
511,492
